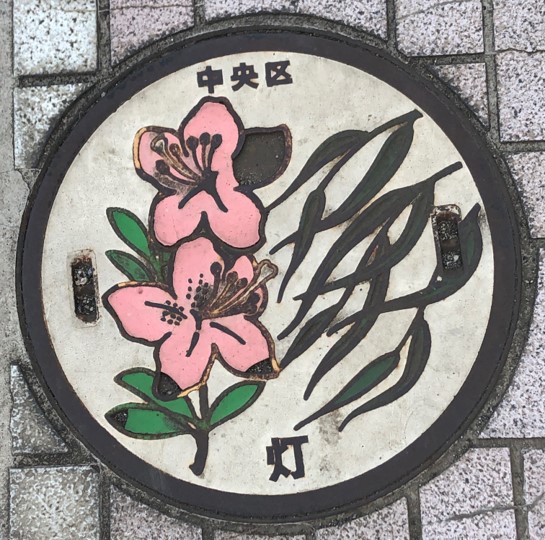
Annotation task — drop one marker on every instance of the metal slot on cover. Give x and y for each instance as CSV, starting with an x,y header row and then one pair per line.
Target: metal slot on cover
x,y
445,221
84,287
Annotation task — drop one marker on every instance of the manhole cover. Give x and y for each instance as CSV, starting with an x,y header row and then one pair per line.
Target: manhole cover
x,y
270,275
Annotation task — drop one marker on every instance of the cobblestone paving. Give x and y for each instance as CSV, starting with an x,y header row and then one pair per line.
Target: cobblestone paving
x,y
491,53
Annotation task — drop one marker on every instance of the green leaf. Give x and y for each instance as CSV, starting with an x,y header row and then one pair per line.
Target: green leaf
x,y
310,218
332,148
387,207
140,382
378,287
390,157
130,229
417,359
139,421
415,226
369,377
129,265
233,401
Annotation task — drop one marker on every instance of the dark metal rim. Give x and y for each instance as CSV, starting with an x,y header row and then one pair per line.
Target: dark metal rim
x,y
402,467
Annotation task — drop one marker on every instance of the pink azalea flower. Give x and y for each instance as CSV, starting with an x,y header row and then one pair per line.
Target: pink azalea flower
x,y
195,168
210,313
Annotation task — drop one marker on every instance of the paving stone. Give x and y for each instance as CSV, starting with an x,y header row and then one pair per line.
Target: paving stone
x,y
135,23
522,411
54,36
534,472
31,432
469,81
59,503
13,194
387,524
225,535
521,91
36,111
528,169
519,24
13,197
471,499
216,9
132,520
369,15
432,27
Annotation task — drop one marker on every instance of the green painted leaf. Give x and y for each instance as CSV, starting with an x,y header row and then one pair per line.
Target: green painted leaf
x,y
233,401
129,265
367,379
390,157
363,382
142,422
310,218
417,359
130,229
378,287
140,382
332,148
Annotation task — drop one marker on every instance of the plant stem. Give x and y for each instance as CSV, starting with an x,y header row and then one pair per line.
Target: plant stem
x,y
201,435
203,402
201,440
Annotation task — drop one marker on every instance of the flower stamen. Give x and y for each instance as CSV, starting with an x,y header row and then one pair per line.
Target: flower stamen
x,y
174,312
239,294
173,158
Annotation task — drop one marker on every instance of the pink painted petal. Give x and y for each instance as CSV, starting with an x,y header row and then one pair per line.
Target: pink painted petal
x,y
145,159
213,117
139,319
239,226
186,371
244,268
248,348
192,268
171,223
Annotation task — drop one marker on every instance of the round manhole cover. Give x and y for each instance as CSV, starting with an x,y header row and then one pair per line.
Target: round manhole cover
x,y
270,275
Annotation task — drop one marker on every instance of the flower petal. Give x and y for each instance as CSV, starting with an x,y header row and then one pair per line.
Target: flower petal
x,y
244,268
137,309
171,224
214,117
192,268
239,226
241,343
184,357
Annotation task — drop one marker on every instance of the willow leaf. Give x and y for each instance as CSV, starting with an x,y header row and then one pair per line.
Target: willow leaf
x,y
349,341
369,377
440,287
310,217
415,226
387,207
471,244
386,164
317,325
417,359
332,148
